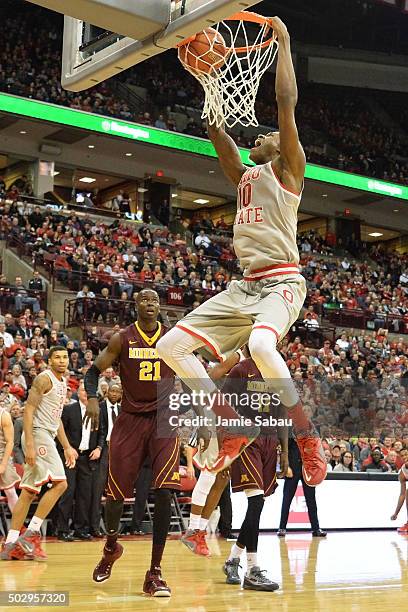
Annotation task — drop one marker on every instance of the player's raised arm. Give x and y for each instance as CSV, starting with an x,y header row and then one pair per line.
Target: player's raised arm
x,y
40,386
291,152
401,498
103,361
228,153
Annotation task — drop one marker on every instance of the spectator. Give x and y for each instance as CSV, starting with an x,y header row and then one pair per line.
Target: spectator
x,y
22,298
377,463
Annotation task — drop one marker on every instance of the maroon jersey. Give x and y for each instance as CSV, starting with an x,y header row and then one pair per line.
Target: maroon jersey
x,y
250,396
144,376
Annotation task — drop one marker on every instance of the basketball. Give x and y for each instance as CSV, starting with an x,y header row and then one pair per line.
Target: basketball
x,y
205,52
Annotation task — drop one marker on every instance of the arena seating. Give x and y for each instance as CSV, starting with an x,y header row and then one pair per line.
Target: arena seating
x,y
337,125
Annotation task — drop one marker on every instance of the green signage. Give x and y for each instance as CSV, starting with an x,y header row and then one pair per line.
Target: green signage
x,y
182,142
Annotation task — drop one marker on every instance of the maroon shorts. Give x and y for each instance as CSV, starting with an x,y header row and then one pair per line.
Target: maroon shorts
x,y
255,468
133,439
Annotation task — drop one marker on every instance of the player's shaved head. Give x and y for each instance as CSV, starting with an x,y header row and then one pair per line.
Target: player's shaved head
x,y
148,306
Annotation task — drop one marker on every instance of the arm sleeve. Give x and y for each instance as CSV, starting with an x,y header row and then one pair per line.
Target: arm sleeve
x,y
91,381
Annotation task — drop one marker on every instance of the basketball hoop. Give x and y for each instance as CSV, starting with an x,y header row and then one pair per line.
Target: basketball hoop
x,y
230,75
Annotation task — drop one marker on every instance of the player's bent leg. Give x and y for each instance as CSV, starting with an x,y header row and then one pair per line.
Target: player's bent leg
x,y
262,346
194,537
29,542
176,348
154,584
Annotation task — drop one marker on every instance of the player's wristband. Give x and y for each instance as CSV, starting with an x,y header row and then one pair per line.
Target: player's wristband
x,y
241,355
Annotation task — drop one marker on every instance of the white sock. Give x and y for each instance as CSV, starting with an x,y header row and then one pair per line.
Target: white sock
x,y
195,520
251,561
203,524
35,524
12,536
236,552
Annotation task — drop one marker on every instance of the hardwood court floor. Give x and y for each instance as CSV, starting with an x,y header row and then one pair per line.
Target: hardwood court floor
x,y
353,571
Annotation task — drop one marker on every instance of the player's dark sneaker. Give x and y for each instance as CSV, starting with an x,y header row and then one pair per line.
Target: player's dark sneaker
x,y
281,533
257,581
403,529
230,569
319,533
154,585
314,464
103,570
30,543
231,448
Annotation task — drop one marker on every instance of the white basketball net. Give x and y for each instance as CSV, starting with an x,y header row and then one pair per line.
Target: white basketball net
x,y
231,89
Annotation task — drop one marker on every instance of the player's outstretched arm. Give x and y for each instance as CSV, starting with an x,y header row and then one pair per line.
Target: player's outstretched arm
x,y
103,361
228,153
40,386
401,498
292,155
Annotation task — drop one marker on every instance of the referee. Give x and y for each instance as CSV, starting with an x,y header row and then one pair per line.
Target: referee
x,y
289,490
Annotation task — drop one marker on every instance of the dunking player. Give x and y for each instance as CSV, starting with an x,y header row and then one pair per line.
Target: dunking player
x,y
403,496
259,309
42,422
135,435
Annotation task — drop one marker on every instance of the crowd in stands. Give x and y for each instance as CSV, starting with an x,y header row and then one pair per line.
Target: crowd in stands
x,y
337,127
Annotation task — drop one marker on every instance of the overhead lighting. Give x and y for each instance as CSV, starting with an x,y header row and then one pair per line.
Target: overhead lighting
x,y
376,234
56,173
174,195
91,146
324,195
396,209
141,190
201,201
23,132
87,179
211,172
128,154
106,180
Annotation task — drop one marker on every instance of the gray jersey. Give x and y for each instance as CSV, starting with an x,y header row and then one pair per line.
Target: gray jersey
x,y
265,224
48,414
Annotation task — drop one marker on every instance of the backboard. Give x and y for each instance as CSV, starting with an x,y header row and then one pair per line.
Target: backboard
x,y
105,37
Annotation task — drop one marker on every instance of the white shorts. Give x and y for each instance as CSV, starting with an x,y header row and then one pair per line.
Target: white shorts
x,y
225,321
48,464
10,477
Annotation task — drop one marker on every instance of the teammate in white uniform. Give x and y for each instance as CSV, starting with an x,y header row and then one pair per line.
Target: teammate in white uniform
x,y
42,422
259,309
403,496
8,475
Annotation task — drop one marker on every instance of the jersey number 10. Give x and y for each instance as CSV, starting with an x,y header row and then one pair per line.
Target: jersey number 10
x,y
245,195
149,370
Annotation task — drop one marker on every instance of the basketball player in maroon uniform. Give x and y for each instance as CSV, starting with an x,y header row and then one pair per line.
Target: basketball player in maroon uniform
x,y
254,472
135,436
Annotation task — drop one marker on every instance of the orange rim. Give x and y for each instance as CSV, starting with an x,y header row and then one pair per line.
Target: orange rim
x,y
243,16
253,18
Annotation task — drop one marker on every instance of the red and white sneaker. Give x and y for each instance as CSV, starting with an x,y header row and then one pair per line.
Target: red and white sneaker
x,y
202,548
154,585
30,543
103,570
11,552
314,462
191,539
403,529
231,448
